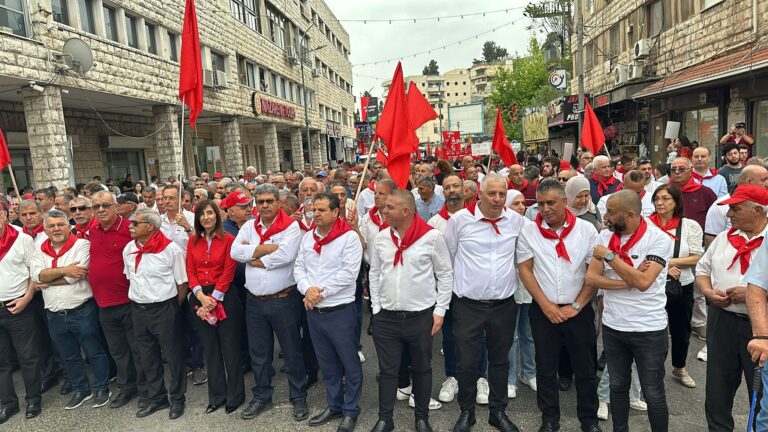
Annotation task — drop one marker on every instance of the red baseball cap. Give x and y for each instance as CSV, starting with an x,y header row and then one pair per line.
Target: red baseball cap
x,y
235,198
748,192
565,165
218,176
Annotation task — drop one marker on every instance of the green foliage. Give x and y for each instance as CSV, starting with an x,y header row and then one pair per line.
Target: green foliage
x,y
431,69
493,52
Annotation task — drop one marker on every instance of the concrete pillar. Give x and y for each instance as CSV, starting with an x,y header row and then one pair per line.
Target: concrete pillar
x,y
271,148
323,149
167,141
233,153
47,136
317,153
297,148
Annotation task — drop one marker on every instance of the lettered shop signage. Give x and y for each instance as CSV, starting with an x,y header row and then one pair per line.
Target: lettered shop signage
x,y
265,106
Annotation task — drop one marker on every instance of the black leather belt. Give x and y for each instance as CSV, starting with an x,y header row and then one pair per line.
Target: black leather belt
x,y
330,308
404,314
742,316
73,310
147,306
486,303
7,303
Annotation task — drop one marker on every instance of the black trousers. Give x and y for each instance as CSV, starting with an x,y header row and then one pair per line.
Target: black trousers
x,y
159,335
578,336
308,350
497,319
392,333
50,366
19,332
226,385
728,361
680,310
117,325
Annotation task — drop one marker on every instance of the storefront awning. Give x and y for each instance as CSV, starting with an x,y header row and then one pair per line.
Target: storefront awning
x,y
744,60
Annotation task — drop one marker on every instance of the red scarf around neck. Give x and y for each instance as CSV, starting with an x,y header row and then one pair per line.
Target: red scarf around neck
x,y
511,186
671,224
548,233
605,184
156,244
743,248
623,251
10,234
281,222
691,186
417,229
340,227
372,186
700,178
34,232
493,222
82,231
376,219
47,248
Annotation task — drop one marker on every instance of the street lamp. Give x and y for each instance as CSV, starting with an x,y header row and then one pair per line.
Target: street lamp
x,y
302,58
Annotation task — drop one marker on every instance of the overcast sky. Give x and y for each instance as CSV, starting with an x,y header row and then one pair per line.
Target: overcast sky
x,y
376,41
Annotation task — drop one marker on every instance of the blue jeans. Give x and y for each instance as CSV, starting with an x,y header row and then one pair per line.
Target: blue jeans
x,y
449,350
524,343
762,416
603,387
75,331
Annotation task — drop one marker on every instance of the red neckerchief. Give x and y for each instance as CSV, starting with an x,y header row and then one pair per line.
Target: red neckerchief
x,y
304,226
743,249
156,244
548,233
281,222
340,227
374,215
82,232
47,248
372,185
34,233
462,175
700,178
417,229
10,234
493,222
669,226
580,170
622,251
604,185
444,212
255,211
691,186
525,185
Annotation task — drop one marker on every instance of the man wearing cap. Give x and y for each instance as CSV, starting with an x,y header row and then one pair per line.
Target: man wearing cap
x,y
738,135
720,276
127,203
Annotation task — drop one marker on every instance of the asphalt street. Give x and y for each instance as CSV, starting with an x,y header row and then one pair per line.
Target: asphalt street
x,y
686,407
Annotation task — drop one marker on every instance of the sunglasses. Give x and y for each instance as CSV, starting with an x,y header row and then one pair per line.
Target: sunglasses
x,y
77,209
266,201
102,206
678,169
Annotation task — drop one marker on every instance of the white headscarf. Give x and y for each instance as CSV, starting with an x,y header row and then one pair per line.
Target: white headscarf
x,y
511,195
574,186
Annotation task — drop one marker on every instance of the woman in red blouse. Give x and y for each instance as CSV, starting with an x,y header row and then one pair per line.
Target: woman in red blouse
x,y
216,302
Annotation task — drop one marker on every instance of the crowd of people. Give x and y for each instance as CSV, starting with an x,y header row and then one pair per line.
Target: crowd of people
x,y
521,268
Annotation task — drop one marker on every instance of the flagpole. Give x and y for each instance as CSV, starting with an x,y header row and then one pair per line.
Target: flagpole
x,y
490,156
362,175
183,100
13,180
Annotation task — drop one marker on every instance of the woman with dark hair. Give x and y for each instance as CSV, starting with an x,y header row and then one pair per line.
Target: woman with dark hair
x,y
687,250
138,188
216,302
443,169
686,148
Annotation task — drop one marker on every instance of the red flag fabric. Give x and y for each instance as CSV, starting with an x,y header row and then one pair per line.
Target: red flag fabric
x,y
419,109
592,136
5,157
364,100
381,157
429,149
500,144
191,68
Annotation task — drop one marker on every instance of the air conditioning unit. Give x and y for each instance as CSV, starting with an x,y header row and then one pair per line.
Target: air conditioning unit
x,y
291,55
219,79
317,73
642,49
620,75
635,71
208,78
607,67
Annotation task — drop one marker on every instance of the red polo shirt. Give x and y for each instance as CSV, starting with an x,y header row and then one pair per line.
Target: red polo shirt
x,y
108,282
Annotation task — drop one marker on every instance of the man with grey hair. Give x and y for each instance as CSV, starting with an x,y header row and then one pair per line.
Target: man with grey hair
x,y
81,211
31,217
425,169
470,192
251,173
602,182
428,203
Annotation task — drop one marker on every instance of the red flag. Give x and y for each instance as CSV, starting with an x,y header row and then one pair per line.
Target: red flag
x,y
364,107
429,149
395,129
191,69
5,157
500,143
381,157
419,109
592,136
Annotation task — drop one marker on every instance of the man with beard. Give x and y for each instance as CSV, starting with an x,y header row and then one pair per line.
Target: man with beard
x,y
645,167
148,195
549,167
733,166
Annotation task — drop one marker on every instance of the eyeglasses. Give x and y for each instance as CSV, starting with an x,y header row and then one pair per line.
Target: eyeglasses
x,y
103,206
266,201
136,223
662,198
586,158
678,169
77,209
562,179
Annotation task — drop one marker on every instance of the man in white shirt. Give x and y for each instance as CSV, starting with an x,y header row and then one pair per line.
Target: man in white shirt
x,y
634,181
553,255
482,242
326,269
18,323
31,217
757,307
365,201
269,245
156,271
717,215
630,266
411,282
720,276
646,167
177,227
60,268
705,175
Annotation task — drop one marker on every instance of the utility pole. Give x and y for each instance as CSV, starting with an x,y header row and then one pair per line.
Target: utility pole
x,y
580,62
302,58
440,111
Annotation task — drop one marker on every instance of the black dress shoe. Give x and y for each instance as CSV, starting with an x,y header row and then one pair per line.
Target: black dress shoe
x,y
122,399
177,410
549,427
324,417
465,422
211,408
591,428
564,383
232,408
383,426
500,421
151,408
347,424
300,410
49,383
7,413
254,408
422,425
33,410
66,388
311,380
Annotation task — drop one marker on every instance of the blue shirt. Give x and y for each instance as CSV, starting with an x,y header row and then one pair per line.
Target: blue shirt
x,y
758,274
426,211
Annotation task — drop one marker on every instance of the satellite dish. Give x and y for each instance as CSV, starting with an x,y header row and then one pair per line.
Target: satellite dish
x,y
77,55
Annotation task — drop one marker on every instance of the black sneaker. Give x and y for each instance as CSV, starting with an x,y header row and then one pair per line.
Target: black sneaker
x,y
77,399
101,398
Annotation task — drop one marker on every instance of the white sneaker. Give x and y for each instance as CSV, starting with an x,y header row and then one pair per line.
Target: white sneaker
x,y
511,391
638,405
404,393
433,404
602,411
702,355
448,390
530,383
482,391
361,356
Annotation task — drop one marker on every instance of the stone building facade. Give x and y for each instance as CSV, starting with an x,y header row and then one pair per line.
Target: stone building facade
x,y
123,115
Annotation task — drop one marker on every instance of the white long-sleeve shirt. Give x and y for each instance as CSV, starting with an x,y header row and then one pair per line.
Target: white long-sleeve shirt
x,y
334,269
15,266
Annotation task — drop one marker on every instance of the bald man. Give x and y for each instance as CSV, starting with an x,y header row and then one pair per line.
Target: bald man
x,y
705,175
635,181
697,198
516,180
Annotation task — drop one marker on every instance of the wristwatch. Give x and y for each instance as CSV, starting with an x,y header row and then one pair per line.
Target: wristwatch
x,y
576,306
609,256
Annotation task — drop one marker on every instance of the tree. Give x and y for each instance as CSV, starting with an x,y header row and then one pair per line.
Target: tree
x,y
431,68
493,52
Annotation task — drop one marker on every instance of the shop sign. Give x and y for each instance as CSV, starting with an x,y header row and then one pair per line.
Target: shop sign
x,y
602,100
261,105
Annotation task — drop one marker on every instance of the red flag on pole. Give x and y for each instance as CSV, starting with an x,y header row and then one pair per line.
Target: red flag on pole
x,y
5,157
364,100
191,68
500,143
592,136
419,109
429,149
381,157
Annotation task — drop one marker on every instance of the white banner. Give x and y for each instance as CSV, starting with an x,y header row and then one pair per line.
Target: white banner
x,y
481,149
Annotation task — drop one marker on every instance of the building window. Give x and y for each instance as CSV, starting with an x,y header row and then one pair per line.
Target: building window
x,y
173,49
86,16
655,18
247,12
761,128
277,28
702,126
263,81
217,62
60,11
110,23
151,38
13,16
614,41
131,32
273,85
687,9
